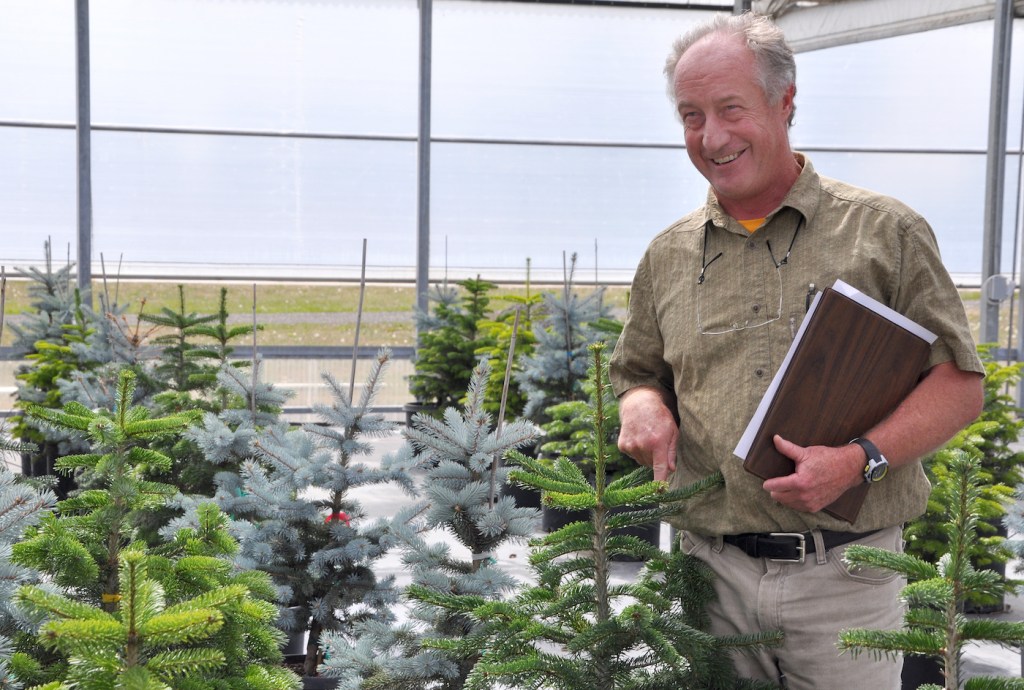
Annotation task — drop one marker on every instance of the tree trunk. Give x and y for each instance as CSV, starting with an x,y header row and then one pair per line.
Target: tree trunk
x,y
312,649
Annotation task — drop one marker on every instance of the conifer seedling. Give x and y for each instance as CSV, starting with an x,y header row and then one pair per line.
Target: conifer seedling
x,y
934,623
461,451
574,628
302,524
22,505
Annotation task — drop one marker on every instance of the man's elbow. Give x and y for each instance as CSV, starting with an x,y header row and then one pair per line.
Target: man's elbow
x,y
971,393
976,398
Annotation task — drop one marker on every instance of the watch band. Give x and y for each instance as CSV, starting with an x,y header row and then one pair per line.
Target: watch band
x,y
877,466
870,448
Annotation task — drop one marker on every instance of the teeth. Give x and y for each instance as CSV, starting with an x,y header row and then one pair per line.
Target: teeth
x,y
723,161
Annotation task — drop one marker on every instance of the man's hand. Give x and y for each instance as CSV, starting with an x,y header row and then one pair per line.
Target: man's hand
x,y
944,401
649,431
821,476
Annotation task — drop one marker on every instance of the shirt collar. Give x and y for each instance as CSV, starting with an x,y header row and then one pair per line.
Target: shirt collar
x,y
802,196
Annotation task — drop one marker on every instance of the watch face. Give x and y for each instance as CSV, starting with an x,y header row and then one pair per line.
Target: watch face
x,y
876,470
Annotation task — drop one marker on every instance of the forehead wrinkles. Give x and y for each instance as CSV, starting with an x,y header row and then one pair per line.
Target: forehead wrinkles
x,y
716,66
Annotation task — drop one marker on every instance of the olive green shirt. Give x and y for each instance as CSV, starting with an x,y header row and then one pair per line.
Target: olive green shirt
x,y
715,345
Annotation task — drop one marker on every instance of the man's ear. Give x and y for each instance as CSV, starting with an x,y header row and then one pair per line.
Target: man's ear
x,y
787,102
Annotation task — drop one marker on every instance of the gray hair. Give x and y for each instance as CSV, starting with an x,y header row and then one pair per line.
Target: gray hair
x,y
774,57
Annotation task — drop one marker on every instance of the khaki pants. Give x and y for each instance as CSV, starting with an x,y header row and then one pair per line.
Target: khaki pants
x,y
810,603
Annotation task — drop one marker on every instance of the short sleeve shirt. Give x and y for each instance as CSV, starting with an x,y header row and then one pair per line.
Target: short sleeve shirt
x,y
715,345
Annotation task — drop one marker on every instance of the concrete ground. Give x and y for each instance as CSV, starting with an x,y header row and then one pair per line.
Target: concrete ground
x,y
380,501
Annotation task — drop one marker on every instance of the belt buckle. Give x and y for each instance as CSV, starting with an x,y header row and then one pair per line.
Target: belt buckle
x,y
801,546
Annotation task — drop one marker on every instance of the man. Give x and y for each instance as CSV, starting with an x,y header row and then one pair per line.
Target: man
x,y
714,306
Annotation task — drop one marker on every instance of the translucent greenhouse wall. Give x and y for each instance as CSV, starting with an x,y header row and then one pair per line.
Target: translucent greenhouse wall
x,y
268,137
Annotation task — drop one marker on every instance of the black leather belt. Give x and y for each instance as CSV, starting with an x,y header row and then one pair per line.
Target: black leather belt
x,y
789,546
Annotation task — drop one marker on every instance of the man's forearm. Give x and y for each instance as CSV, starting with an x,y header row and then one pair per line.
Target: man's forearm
x,y
943,403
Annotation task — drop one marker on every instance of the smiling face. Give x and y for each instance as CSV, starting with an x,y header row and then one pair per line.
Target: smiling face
x,y
734,136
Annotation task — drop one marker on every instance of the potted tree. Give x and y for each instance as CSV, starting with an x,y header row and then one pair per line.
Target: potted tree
x,y
570,435
449,337
126,612
299,522
993,439
465,494
574,629
935,626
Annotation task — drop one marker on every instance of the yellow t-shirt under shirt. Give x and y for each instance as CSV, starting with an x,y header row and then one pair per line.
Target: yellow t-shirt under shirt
x,y
752,224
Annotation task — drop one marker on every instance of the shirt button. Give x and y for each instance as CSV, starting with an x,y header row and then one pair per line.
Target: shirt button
x,y
756,308
759,373
751,244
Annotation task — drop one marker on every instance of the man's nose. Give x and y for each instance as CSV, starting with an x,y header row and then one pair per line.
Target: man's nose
x,y
716,134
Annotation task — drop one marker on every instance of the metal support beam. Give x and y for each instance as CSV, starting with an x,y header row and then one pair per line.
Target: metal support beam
x,y
817,25
423,162
995,170
84,150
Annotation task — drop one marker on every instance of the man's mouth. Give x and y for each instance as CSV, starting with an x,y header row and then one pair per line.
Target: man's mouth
x,y
726,159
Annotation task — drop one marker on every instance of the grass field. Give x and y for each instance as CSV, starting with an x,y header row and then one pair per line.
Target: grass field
x,y
289,313
324,314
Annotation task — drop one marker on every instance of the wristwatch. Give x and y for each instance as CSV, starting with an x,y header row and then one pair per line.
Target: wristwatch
x,y
877,465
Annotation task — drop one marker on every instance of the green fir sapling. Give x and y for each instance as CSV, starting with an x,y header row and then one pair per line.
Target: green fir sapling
x,y
306,529
449,336
508,326
993,438
500,331
179,364
934,622
199,560
80,546
464,496
216,346
60,323
143,642
93,541
576,628
196,350
570,431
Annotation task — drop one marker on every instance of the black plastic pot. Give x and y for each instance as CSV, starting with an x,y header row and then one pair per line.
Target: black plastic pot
x,y
524,497
921,670
319,683
553,519
414,408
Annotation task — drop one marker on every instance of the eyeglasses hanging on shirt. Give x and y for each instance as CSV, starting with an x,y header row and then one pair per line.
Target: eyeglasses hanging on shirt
x,y
715,323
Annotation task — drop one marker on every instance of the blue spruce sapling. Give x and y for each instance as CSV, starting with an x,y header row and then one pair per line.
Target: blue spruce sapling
x,y
21,506
305,528
463,487
555,372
